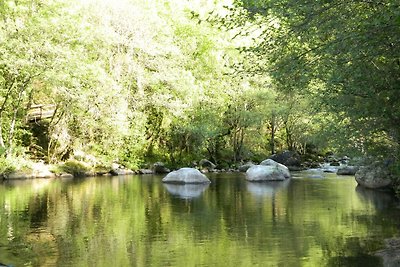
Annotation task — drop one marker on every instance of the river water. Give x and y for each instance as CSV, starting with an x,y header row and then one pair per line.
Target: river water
x,y
138,221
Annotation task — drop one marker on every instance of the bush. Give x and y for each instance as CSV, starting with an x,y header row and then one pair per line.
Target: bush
x,y
6,166
74,167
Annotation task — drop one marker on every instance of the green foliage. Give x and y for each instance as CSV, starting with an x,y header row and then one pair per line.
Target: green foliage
x,y
6,166
74,167
395,169
137,81
344,54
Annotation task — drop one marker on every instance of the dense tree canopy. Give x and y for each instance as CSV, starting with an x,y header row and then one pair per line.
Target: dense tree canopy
x,y
343,55
144,81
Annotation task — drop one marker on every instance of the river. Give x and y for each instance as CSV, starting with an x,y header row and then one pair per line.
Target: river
x,y
138,221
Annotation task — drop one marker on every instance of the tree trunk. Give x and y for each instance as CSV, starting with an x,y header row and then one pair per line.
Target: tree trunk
x,y
13,121
2,145
274,127
2,109
289,138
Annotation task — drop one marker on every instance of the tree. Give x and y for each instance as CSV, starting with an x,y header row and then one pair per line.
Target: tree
x,y
343,55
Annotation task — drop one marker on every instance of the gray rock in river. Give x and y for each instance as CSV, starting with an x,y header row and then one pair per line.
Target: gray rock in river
x,y
206,164
282,168
186,176
260,173
347,170
246,166
374,176
288,158
159,167
145,171
120,171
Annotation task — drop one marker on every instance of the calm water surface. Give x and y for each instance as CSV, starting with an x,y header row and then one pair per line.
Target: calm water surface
x,y
138,221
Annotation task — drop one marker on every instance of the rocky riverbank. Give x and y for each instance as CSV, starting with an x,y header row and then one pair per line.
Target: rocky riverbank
x,y
377,175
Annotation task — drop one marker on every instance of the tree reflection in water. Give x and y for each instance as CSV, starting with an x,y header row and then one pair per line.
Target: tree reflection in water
x,y
138,221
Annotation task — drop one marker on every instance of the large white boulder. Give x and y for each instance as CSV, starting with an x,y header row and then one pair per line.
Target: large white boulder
x,y
282,168
260,173
186,176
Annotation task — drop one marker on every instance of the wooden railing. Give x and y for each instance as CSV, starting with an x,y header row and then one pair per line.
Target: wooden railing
x,y
40,112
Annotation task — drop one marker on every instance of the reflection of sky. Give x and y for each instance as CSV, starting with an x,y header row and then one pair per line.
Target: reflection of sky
x,y
186,190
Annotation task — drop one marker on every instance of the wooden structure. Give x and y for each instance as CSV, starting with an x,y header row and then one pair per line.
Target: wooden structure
x,y
40,112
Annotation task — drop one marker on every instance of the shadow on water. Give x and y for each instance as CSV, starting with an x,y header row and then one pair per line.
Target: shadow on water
x,y
186,191
380,199
362,260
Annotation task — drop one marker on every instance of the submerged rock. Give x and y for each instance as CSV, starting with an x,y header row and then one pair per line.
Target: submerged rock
x,y
260,173
391,254
186,176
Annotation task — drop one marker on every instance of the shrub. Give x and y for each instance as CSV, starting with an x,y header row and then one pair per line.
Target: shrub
x,y
74,167
6,166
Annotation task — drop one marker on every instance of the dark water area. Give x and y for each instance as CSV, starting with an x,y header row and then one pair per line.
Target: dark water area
x,y
138,221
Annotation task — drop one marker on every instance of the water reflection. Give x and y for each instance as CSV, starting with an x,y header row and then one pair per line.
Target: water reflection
x,y
314,173
134,221
380,199
186,191
262,189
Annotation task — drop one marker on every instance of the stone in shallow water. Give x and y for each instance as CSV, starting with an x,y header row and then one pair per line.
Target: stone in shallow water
x,y
121,172
159,167
374,176
260,173
282,168
391,254
186,176
347,170
246,166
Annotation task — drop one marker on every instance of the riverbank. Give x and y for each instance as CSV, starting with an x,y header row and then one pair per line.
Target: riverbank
x,y
76,168
373,176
